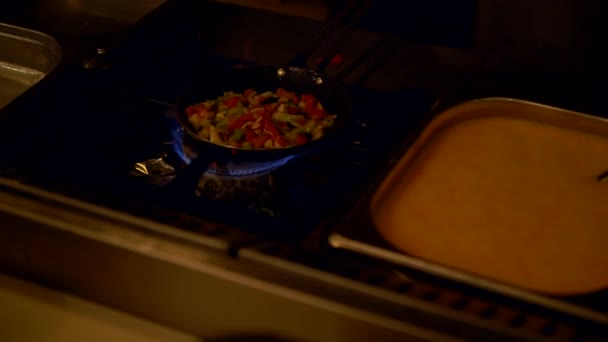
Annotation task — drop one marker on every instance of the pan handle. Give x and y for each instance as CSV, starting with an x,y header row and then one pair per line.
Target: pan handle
x,y
186,181
345,36
300,59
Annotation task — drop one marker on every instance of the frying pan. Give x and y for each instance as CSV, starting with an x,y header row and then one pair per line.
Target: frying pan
x,y
262,78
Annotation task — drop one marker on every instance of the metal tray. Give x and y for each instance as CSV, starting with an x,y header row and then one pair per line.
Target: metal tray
x,y
356,231
26,57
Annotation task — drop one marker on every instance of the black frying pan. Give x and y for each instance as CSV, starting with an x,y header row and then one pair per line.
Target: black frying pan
x,y
264,78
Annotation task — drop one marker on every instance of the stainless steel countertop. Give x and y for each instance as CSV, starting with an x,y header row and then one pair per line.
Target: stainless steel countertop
x,y
30,312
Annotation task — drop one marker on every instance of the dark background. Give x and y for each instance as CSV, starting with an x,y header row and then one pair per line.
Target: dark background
x,y
567,34
446,22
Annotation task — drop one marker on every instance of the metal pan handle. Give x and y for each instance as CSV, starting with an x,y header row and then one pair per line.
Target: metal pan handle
x,y
342,41
186,181
300,59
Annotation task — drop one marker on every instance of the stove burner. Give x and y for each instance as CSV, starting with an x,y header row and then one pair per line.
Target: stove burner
x,y
247,169
251,184
246,182
256,192
186,150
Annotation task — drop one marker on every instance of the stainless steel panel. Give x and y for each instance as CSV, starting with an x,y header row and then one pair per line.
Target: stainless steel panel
x,y
79,18
30,312
26,57
191,283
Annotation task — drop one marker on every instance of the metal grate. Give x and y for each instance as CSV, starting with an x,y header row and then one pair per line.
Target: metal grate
x,y
378,276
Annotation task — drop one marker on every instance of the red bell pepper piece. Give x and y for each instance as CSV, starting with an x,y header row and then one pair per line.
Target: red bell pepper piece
x,y
196,109
259,141
283,126
240,121
309,100
292,109
316,113
274,132
286,94
311,107
257,111
279,140
250,135
268,125
233,101
247,93
190,110
271,108
281,92
300,139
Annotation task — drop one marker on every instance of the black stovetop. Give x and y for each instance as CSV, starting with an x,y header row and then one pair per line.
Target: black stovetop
x,y
97,126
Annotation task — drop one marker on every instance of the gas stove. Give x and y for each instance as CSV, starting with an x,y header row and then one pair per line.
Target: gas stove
x,y
122,146
109,137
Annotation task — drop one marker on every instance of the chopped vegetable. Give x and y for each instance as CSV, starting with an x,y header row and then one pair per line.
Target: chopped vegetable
x,y
300,139
233,101
237,135
260,121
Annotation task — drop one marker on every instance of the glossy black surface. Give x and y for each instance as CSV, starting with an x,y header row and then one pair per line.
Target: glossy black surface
x,y
86,136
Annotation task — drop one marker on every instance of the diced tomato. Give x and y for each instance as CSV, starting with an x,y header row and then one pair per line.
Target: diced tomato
x,y
283,126
257,110
286,94
296,99
269,126
233,101
250,135
248,92
300,139
270,108
316,113
280,141
240,121
191,110
259,141
197,109
274,132
292,109
281,92
309,100
312,109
